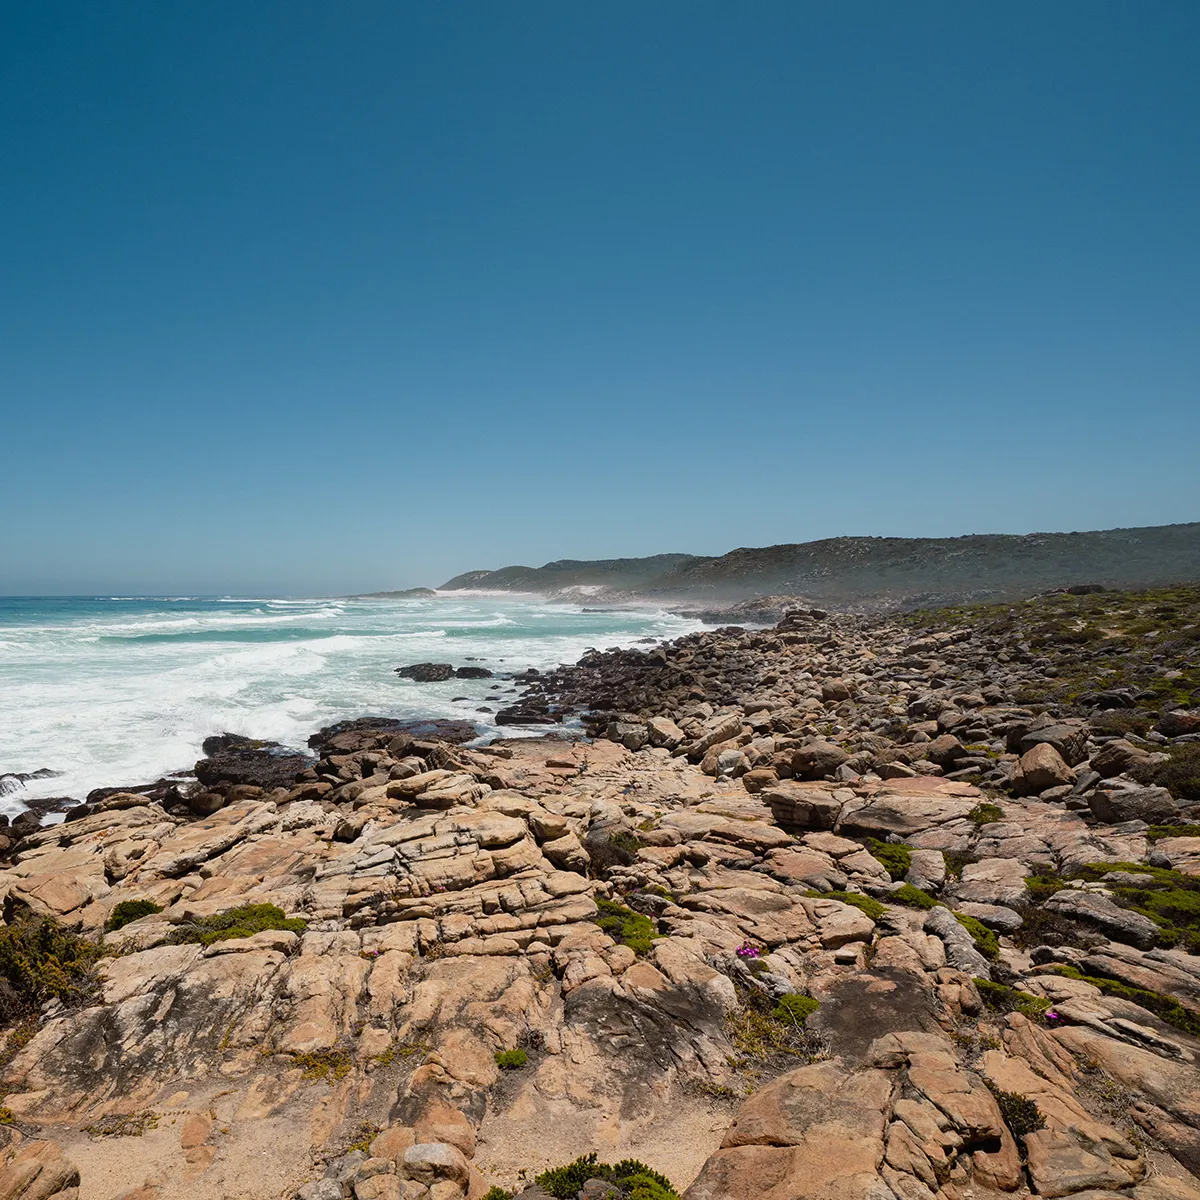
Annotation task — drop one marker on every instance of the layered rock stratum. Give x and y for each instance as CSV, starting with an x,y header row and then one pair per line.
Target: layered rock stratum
x,y
898,910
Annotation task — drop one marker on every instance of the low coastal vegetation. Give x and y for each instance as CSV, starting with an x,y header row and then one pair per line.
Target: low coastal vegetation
x,y
244,921
632,1179
623,925
41,960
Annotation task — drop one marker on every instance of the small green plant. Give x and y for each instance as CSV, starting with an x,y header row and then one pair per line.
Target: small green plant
x,y
1003,999
623,839
623,925
635,1180
511,1060
129,910
794,1008
913,897
865,904
1021,1115
366,1133
497,1193
986,942
897,859
241,922
985,814
324,1064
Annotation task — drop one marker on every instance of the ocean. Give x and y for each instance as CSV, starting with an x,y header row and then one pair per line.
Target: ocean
x,y
122,690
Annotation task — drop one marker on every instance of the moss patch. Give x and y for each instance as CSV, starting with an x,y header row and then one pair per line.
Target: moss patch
x,y
913,897
897,859
623,925
872,908
986,942
511,1060
794,1008
324,1064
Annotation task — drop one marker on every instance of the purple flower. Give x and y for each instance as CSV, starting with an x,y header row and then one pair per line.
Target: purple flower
x,y
746,950
1051,1015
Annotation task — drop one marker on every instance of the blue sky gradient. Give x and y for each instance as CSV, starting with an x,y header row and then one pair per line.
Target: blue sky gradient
x,y
309,298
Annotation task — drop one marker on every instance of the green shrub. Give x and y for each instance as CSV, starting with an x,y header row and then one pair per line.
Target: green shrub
x,y
1180,776
511,1060
897,859
794,1008
240,922
39,961
623,839
129,910
872,908
636,1180
1003,999
497,1193
623,925
1021,1115
986,942
985,814
913,897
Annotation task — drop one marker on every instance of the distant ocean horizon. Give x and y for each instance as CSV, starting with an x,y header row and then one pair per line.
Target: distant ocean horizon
x,y
121,690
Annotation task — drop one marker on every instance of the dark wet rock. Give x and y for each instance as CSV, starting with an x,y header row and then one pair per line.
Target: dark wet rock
x,y
473,673
426,672
235,759
521,714
368,733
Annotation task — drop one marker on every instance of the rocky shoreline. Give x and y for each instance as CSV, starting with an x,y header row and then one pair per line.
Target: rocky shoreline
x,y
896,908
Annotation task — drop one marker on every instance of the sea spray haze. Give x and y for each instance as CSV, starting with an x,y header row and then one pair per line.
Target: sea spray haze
x,y
112,690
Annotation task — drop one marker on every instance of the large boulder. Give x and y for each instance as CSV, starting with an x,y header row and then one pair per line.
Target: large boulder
x,y
233,759
1114,805
815,1133
1069,738
817,759
1117,757
1041,767
1179,722
797,807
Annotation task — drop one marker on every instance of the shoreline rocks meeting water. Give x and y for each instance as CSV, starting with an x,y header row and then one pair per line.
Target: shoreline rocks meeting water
x,y
899,908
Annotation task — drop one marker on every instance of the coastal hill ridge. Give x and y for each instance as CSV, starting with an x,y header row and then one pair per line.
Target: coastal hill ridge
x,y
872,573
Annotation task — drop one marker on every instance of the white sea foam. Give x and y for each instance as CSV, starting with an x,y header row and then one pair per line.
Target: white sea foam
x,y
116,691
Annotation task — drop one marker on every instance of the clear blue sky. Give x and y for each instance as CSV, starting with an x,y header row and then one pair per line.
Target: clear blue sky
x,y
306,297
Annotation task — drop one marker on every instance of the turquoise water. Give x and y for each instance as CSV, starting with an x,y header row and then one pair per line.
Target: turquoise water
x,y
119,690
